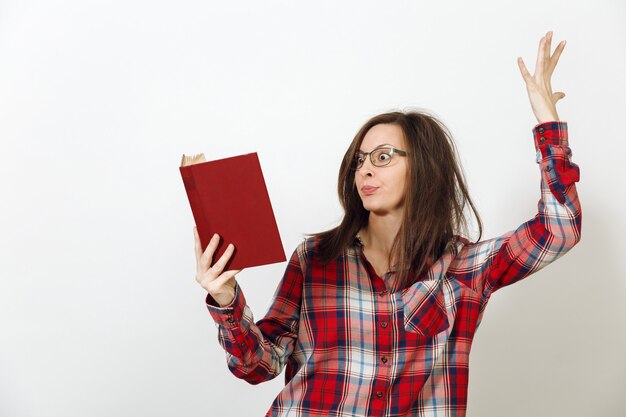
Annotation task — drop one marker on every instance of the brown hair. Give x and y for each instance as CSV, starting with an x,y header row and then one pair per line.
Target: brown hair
x,y
436,196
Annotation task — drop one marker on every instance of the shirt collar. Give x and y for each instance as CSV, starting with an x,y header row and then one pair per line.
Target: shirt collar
x,y
451,248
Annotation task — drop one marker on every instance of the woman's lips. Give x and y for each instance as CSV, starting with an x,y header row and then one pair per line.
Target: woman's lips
x,y
368,190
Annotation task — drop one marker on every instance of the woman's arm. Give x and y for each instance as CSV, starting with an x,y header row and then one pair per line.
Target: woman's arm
x,y
492,264
258,352
556,228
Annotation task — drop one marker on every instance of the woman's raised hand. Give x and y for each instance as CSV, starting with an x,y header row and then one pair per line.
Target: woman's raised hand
x,y
220,284
542,99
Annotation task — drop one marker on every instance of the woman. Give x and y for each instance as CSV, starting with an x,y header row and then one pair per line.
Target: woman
x,y
377,316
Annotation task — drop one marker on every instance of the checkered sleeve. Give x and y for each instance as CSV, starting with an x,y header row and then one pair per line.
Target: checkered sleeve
x,y
258,352
495,263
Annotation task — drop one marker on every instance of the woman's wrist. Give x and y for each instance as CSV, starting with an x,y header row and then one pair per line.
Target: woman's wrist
x,y
548,117
224,300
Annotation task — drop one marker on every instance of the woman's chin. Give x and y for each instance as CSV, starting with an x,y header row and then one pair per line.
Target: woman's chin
x,y
376,209
380,210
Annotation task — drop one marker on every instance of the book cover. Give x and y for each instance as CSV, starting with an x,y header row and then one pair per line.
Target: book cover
x,y
229,197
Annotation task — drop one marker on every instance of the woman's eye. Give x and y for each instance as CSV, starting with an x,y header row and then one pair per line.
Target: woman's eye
x,y
383,156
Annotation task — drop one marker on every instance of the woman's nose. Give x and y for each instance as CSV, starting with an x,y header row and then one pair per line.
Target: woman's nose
x,y
366,171
366,168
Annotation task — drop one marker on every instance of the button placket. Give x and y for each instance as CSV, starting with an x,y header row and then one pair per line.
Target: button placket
x,y
383,316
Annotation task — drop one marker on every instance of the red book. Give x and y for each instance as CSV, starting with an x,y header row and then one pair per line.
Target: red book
x,y
229,197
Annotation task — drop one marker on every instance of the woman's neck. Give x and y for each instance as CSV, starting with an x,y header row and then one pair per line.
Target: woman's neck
x,y
380,232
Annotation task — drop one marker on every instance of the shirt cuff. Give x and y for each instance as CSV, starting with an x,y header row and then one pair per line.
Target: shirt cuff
x,y
229,316
550,133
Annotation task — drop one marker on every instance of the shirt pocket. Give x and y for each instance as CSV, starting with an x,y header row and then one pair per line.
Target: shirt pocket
x,y
424,308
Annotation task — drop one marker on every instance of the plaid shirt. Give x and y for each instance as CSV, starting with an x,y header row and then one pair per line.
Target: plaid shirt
x,y
353,345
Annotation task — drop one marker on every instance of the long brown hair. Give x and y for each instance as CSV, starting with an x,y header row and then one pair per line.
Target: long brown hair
x,y
436,196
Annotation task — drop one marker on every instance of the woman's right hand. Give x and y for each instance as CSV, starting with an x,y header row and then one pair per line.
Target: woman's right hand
x,y
220,285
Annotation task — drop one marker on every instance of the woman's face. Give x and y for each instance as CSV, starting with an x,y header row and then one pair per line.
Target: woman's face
x,y
382,189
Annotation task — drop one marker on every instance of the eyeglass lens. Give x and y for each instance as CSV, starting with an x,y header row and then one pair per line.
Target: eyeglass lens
x,y
378,157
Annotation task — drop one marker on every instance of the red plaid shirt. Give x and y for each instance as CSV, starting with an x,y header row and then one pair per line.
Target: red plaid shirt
x,y
353,345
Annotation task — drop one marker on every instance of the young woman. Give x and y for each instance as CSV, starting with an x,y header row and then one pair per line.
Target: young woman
x,y
376,317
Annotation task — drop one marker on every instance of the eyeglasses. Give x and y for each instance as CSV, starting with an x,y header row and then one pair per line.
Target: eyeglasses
x,y
379,157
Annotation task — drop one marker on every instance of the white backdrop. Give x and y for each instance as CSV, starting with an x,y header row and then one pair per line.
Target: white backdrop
x,y
100,314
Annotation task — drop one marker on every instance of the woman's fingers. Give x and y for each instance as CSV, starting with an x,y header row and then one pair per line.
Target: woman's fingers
x,y
205,260
546,62
214,285
213,278
207,256
558,96
540,58
524,70
555,57
221,263
538,85
529,80
546,48
197,245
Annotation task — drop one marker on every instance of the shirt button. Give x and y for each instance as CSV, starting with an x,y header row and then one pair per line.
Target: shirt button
x,y
230,320
549,168
540,130
384,359
542,139
383,324
379,394
382,293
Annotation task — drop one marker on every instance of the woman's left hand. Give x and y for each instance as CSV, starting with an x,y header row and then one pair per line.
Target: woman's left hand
x,y
542,99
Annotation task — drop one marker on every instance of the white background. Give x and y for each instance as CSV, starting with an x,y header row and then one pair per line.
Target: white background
x,y
100,314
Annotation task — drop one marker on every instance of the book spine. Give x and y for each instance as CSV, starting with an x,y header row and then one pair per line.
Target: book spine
x,y
197,210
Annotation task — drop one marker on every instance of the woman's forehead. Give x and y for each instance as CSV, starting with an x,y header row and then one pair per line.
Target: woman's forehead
x,y
383,134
